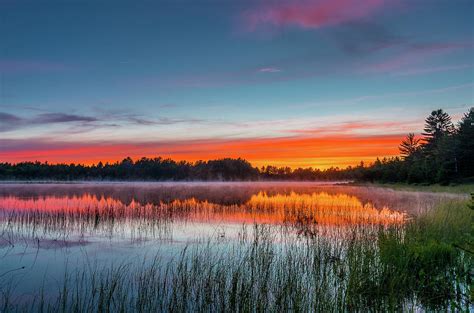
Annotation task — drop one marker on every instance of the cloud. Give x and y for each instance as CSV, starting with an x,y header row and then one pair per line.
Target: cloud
x,y
161,120
269,70
84,123
310,14
49,118
361,127
8,118
9,122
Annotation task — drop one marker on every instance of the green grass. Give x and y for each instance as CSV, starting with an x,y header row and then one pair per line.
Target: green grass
x,y
424,264
432,257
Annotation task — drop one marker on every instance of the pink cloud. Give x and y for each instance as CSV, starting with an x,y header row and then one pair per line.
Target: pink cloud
x,y
311,14
353,128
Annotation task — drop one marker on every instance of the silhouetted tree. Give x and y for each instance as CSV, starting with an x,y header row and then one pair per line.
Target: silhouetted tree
x,y
409,146
439,146
437,125
466,143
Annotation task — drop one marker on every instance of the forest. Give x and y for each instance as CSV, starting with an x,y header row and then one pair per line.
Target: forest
x,y
444,153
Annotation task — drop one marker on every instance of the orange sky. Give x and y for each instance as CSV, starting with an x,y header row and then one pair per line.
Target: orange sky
x,y
295,151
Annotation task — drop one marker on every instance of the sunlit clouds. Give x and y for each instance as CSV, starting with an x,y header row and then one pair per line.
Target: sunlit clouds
x,y
293,151
295,142
315,83
310,14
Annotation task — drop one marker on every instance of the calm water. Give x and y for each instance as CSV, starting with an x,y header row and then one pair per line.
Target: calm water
x,y
49,229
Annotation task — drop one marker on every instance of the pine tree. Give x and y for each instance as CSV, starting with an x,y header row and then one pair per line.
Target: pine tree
x,y
465,138
438,147
437,125
409,146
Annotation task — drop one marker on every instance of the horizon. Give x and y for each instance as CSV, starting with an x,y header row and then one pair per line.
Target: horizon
x,y
135,159
300,84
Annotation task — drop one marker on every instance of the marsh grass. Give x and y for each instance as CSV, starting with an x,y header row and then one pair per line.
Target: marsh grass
x,y
423,264
307,252
430,258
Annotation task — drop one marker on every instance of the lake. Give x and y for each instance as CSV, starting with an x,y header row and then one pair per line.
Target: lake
x,y
50,233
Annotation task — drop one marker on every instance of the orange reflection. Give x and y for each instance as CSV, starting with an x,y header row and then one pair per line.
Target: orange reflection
x,y
314,208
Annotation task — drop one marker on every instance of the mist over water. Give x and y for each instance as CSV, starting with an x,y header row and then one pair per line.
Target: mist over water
x,y
49,229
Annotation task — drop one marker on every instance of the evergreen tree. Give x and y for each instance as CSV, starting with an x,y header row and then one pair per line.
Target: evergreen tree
x,y
409,146
437,125
465,137
439,147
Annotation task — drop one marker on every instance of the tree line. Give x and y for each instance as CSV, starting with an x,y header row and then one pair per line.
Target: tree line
x,y
443,154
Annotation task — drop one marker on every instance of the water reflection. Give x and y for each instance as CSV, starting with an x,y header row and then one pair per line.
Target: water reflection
x,y
185,211
320,208
47,230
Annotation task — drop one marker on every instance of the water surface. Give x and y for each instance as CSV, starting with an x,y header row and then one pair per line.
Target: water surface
x,y
48,229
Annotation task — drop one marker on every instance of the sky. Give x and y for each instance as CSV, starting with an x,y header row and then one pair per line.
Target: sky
x,y
289,83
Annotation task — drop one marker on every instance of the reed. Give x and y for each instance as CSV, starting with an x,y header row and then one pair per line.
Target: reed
x,y
405,268
369,259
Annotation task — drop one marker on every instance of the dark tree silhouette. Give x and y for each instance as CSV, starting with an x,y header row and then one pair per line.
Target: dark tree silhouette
x,y
409,146
437,125
466,143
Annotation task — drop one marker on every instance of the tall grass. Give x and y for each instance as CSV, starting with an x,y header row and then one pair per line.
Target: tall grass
x,y
424,264
431,258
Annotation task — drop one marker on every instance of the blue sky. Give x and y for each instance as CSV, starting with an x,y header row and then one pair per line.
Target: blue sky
x,y
105,73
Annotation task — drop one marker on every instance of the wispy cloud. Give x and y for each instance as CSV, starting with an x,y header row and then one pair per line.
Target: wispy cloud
x,y
268,70
162,120
130,117
10,122
50,118
310,14
6,118
361,127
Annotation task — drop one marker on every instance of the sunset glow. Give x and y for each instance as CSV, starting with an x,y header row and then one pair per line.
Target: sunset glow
x,y
306,83
236,156
291,151
320,208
